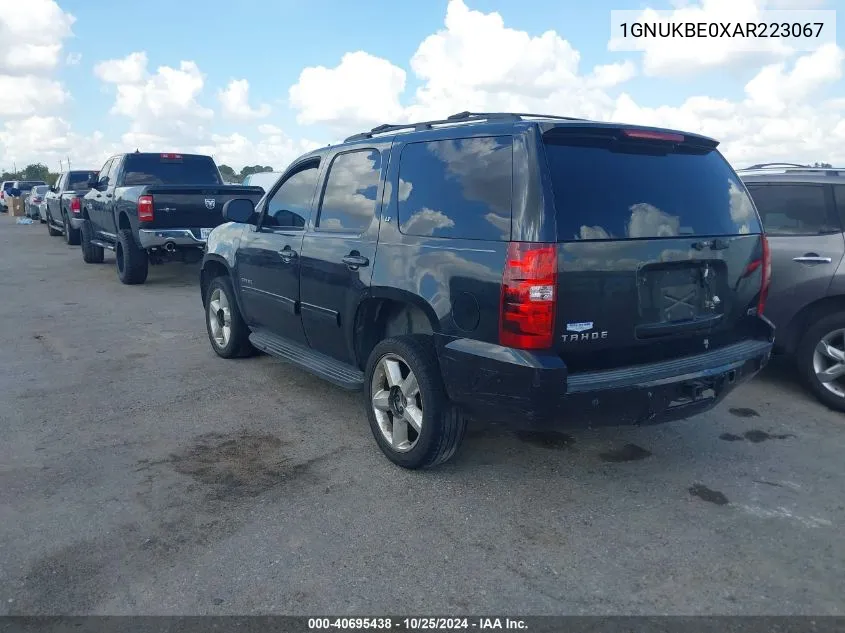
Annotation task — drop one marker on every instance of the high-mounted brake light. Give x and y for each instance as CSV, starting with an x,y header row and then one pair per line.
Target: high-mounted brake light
x,y
145,209
171,156
527,307
650,135
75,205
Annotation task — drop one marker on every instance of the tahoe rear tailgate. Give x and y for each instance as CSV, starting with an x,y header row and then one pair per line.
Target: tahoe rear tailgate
x,y
194,206
659,247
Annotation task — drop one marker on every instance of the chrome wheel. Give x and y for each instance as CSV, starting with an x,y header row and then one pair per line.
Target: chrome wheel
x,y
829,362
397,403
220,318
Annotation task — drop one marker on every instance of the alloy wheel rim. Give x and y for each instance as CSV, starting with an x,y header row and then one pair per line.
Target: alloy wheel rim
x,y
829,362
397,403
219,318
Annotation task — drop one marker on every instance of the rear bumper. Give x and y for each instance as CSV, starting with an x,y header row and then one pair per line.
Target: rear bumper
x,y
150,238
525,389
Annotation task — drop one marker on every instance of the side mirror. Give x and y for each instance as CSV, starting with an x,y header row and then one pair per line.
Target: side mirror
x,y
241,210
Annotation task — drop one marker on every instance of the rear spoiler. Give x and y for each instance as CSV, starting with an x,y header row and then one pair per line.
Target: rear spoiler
x,y
619,132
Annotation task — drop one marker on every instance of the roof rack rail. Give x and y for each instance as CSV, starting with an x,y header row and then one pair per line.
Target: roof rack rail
x,y
768,165
460,117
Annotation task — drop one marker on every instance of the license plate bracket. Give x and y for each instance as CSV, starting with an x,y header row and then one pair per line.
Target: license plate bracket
x,y
672,293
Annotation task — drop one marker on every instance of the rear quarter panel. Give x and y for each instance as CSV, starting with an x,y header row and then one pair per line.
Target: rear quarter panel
x,y
456,282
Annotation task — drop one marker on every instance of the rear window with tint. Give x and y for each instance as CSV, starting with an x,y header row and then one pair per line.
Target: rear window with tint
x,y
26,185
78,180
457,188
152,169
602,194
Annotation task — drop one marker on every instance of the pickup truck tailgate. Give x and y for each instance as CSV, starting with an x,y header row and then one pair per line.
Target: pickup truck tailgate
x,y
194,206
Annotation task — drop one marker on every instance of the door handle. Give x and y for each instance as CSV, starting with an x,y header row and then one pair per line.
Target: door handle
x,y
812,258
355,260
287,254
108,195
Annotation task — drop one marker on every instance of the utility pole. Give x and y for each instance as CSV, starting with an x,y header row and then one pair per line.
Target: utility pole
x,y
68,162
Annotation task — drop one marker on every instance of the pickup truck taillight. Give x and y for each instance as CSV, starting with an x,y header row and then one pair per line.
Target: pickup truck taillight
x,y
527,307
145,209
75,205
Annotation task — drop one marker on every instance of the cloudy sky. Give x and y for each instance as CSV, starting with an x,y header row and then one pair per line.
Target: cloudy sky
x,y
261,81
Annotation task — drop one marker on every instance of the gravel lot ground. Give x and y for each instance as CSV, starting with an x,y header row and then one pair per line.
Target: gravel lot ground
x,y
141,474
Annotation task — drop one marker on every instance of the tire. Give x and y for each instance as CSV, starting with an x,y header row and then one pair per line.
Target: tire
x,y
71,234
832,329
237,344
50,230
91,253
131,259
442,425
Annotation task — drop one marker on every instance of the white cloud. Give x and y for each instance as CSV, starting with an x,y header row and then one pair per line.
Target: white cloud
x,y
235,102
48,140
29,95
368,87
610,75
774,86
131,69
31,36
272,148
73,59
162,107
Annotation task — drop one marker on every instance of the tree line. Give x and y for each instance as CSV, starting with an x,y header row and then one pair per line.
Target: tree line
x,y
39,171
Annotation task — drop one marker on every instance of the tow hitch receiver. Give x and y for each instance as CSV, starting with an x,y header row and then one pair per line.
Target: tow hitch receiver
x,y
696,389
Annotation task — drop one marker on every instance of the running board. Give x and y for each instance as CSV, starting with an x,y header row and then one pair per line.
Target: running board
x,y
322,366
101,244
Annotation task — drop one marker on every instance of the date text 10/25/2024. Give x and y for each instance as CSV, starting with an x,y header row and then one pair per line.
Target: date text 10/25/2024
x,y
417,624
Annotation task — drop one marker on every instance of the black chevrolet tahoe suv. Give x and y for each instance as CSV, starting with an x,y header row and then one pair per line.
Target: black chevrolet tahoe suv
x,y
152,208
534,270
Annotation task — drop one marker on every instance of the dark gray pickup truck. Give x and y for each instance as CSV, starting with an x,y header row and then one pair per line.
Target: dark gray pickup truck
x,y
153,208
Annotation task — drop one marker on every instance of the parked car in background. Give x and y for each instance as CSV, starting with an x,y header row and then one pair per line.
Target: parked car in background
x,y
20,188
531,270
153,208
33,201
4,189
64,203
265,179
803,213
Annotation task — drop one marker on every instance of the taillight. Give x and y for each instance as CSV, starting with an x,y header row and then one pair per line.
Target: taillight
x,y
527,309
145,209
764,263
766,276
75,205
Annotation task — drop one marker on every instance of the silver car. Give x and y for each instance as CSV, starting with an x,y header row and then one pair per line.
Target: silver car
x,y
35,200
803,213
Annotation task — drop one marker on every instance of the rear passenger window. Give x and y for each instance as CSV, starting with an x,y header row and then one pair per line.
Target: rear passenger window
x,y
349,200
457,188
793,209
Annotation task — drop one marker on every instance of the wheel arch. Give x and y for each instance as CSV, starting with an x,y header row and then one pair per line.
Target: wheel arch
x,y
214,266
791,336
387,312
